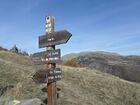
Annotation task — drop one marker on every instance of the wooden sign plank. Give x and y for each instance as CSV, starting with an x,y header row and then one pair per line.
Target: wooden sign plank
x,y
47,75
40,76
54,75
49,56
54,38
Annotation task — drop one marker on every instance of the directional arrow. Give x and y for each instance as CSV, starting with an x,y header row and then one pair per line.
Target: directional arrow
x,y
40,76
47,75
54,38
50,56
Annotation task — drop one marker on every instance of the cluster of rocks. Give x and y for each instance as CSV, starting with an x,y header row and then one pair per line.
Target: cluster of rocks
x,y
35,101
15,49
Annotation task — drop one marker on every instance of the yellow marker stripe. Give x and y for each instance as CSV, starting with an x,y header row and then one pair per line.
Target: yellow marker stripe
x,y
16,102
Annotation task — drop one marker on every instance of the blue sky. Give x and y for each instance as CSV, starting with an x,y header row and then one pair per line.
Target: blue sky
x,y
96,25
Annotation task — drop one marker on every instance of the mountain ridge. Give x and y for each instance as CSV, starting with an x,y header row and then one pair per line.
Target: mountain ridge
x,y
73,55
126,67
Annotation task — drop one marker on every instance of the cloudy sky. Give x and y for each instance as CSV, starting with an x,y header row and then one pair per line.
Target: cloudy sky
x,y
96,25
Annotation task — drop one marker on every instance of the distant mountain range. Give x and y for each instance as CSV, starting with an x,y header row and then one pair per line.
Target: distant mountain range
x,y
126,67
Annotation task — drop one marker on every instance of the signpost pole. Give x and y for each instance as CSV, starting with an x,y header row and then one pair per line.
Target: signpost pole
x,y
51,87
50,57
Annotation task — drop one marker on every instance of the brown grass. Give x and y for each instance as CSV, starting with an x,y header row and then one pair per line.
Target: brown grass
x,y
79,86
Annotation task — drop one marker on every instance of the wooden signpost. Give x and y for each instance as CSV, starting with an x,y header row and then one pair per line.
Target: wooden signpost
x,y
50,74
54,38
47,75
50,56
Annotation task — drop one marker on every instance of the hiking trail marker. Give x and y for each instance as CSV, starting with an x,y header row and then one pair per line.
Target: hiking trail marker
x,y
47,75
50,57
54,38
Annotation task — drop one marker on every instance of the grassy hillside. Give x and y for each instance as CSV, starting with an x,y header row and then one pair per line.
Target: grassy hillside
x,y
88,87
16,71
126,67
80,86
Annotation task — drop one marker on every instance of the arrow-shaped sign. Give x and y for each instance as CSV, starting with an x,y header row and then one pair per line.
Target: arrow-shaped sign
x,y
54,38
50,56
48,75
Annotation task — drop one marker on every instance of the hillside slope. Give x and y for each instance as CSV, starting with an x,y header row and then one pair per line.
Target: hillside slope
x,y
15,76
126,67
80,86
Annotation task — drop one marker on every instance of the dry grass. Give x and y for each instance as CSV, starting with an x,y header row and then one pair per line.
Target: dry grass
x,y
90,87
17,70
80,86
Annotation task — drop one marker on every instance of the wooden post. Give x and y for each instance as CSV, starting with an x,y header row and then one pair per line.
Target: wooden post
x,y
51,87
50,58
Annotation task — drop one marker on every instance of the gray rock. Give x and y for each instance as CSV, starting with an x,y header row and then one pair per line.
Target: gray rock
x,y
31,102
25,102
2,101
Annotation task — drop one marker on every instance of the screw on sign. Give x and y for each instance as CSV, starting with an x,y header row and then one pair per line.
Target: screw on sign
x,y
50,57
